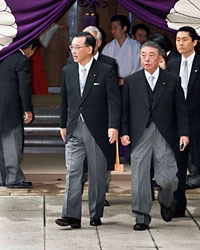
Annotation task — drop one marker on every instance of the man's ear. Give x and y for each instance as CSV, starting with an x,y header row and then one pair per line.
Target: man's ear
x,y
99,43
90,49
195,42
125,28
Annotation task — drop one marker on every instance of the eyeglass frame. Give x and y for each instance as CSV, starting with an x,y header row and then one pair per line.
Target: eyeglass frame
x,y
77,48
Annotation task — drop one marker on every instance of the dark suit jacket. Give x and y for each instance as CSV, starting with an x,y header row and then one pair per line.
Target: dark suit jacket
x,y
15,90
193,94
108,60
193,105
172,55
100,103
169,111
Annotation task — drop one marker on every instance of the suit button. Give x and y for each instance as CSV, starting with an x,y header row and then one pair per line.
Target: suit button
x,y
1,84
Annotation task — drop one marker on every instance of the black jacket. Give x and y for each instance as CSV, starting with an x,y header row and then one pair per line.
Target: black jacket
x,y
193,94
100,103
169,111
15,90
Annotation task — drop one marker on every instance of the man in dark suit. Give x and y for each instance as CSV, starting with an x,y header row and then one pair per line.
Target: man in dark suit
x,y
15,96
90,117
95,32
187,66
154,114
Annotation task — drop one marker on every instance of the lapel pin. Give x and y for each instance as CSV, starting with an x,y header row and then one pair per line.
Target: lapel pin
x,y
196,70
95,75
164,83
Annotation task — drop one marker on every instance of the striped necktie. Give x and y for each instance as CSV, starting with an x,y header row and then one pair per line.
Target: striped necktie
x,y
83,76
151,82
184,77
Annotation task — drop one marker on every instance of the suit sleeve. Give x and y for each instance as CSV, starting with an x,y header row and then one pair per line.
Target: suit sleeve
x,y
114,99
63,105
115,67
181,111
125,110
23,73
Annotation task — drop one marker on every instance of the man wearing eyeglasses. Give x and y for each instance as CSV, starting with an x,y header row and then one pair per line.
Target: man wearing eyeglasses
x,y
90,117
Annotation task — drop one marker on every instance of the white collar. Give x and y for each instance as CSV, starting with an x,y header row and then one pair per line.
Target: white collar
x,y
96,56
22,51
87,66
155,74
189,58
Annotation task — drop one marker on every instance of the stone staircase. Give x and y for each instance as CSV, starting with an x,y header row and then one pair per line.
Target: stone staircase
x,y
43,134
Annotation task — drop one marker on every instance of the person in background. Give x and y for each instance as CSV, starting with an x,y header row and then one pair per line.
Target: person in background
x,y
187,67
140,33
165,45
125,50
15,96
163,61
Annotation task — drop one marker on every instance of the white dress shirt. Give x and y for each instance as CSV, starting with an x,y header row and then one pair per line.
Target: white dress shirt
x,y
190,60
155,76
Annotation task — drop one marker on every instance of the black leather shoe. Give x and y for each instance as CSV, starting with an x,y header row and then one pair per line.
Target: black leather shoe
x,y
23,184
2,184
67,221
166,212
95,222
140,227
106,203
178,214
191,186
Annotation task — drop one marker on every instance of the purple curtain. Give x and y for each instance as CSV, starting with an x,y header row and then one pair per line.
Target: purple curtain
x,y
22,20
154,12
31,17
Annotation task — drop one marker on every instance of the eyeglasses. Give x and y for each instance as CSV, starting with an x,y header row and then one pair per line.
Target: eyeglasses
x,y
71,47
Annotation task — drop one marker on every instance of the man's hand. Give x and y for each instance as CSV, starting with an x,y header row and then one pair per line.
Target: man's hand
x,y
125,140
112,135
28,117
63,133
121,81
183,142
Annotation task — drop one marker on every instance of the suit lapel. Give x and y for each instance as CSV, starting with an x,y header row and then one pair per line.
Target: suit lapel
x,y
177,66
90,80
143,87
159,89
194,73
75,80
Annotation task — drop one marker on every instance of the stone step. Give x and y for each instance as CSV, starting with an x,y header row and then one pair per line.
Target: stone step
x,y
42,130
43,134
45,141
44,150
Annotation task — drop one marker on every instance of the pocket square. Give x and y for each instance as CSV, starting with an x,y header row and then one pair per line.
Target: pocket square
x,y
96,83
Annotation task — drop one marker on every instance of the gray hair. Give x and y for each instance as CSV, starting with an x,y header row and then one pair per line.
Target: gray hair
x,y
95,30
153,44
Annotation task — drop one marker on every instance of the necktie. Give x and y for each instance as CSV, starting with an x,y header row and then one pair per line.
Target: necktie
x,y
151,83
83,77
184,77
